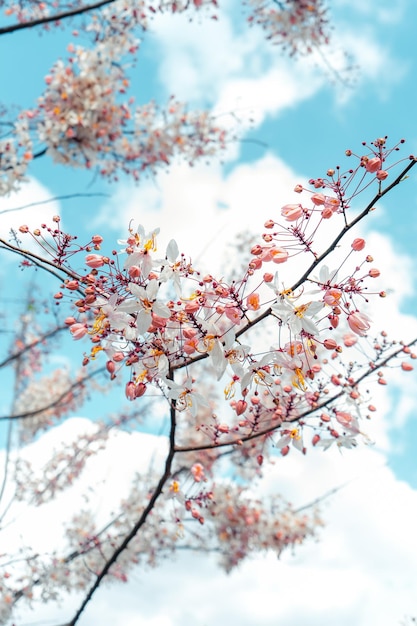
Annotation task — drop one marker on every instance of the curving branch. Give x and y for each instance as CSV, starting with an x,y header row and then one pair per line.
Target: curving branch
x,y
56,401
30,346
141,521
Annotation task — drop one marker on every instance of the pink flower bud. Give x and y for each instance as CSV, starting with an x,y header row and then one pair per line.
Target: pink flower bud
x,y
318,199
349,340
24,229
110,367
330,344
94,260
374,273
359,323
78,330
192,307
326,213
240,407
97,239
373,165
130,390
140,390
255,250
292,212
358,244
381,174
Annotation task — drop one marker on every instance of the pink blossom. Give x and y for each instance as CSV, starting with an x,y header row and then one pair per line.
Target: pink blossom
x,y
382,174
292,212
318,198
358,244
94,260
373,165
252,302
349,340
78,330
359,323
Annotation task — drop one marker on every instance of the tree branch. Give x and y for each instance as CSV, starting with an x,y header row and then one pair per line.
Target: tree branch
x,y
54,18
268,431
141,521
17,355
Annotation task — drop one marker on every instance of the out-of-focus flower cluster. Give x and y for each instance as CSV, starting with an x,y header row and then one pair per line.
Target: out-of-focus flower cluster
x,y
45,400
85,119
298,26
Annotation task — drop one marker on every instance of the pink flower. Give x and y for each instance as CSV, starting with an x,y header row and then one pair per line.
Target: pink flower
x,y
94,260
252,302
318,198
373,165
358,244
349,340
332,297
359,323
278,255
78,330
292,212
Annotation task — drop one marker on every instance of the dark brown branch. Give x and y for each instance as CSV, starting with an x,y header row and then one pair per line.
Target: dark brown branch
x,y
141,521
268,431
39,261
314,264
353,223
54,18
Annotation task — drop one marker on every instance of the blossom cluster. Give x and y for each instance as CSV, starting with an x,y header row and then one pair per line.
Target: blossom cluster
x,y
298,26
45,400
163,329
85,118
153,316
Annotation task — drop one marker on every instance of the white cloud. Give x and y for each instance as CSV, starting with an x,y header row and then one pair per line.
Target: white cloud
x,y
29,195
360,572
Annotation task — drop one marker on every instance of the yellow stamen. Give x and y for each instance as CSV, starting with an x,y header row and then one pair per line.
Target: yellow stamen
x,y
299,381
300,310
141,377
229,390
95,350
260,377
98,325
175,486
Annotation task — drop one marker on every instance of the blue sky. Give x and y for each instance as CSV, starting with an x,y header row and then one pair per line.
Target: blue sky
x,y
303,122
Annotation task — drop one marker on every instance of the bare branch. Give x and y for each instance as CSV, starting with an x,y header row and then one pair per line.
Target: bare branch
x,y
141,521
